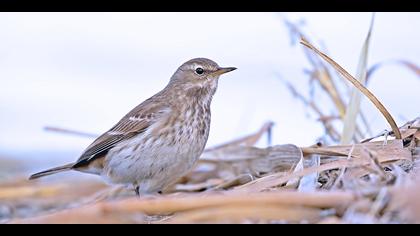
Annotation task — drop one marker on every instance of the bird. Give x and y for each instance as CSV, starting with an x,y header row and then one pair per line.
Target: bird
x,y
161,139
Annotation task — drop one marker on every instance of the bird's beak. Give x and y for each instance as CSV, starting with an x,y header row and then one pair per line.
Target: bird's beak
x,y
222,70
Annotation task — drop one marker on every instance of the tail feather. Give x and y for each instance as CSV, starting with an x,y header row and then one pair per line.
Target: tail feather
x,y
52,171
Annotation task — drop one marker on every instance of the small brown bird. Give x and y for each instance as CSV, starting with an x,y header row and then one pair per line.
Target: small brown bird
x,y
161,139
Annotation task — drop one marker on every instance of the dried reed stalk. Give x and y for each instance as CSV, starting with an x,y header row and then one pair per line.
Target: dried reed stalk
x,y
358,85
184,203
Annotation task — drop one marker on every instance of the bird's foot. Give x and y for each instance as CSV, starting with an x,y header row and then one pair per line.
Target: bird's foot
x,y
146,196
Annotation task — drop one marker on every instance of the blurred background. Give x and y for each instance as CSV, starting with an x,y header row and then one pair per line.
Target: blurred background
x,y
84,71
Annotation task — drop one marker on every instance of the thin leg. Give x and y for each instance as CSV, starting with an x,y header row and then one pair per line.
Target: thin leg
x,y
137,190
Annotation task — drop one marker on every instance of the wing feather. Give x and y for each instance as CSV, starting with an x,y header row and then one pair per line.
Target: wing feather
x,y
135,122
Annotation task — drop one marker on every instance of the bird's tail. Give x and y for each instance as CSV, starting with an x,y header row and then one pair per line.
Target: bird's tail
x,y
52,171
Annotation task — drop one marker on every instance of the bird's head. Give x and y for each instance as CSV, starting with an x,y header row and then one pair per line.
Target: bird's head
x,y
199,73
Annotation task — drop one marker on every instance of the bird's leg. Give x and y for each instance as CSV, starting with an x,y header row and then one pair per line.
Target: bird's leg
x,y
137,190
145,195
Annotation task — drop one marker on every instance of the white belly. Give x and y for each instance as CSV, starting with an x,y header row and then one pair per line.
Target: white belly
x,y
153,164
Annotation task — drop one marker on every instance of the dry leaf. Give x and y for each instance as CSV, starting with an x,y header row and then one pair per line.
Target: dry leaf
x,y
352,111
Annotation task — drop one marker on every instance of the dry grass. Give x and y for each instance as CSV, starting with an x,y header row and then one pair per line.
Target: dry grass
x,y
359,183
373,180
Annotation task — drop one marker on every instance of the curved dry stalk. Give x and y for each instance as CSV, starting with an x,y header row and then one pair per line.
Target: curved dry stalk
x,y
176,204
358,85
248,140
273,180
238,214
70,131
410,65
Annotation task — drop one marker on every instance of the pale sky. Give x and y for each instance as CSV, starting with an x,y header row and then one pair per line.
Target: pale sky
x,y
86,70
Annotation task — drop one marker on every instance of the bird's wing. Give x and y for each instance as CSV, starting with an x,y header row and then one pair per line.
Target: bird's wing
x,y
135,122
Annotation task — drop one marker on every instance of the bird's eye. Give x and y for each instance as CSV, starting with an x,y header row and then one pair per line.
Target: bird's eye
x,y
199,71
